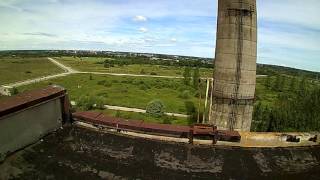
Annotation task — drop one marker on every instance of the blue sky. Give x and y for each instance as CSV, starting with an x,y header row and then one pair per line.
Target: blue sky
x,y
288,35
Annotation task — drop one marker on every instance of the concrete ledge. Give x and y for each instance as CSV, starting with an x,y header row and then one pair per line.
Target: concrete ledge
x,y
27,117
82,153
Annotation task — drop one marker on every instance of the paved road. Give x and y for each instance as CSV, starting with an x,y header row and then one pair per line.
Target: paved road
x,y
118,108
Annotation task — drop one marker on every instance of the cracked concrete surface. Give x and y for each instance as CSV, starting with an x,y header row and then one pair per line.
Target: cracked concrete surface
x,y
80,153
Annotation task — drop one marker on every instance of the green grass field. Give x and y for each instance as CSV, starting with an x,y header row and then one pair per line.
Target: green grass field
x,y
137,92
93,64
125,91
272,92
18,69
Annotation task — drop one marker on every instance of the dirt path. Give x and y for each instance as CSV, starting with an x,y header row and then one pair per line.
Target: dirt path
x,y
32,81
69,70
62,66
118,108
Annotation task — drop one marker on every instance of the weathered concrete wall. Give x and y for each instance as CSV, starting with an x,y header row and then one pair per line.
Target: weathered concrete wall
x,y
235,65
78,153
27,126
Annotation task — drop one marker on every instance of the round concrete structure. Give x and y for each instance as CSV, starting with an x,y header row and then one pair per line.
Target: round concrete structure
x,y
235,65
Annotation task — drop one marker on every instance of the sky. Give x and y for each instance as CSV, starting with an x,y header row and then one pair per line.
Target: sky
x,y
288,30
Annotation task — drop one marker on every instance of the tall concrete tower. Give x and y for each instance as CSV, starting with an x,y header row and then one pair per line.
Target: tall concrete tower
x,y
235,65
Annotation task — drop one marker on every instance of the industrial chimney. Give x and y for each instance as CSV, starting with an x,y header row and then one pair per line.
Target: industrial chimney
x,y
235,65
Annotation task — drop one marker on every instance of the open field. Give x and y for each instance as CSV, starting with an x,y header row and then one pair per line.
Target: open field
x,y
126,91
286,99
95,64
18,69
137,92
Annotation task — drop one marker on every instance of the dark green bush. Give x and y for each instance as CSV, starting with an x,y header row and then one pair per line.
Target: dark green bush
x,y
14,91
142,71
101,82
168,119
144,87
155,108
185,94
107,84
87,103
115,81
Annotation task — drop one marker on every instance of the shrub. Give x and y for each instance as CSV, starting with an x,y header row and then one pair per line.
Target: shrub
x,y
168,119
185,94
99,103
108,65
102,94
187,76
85,103
155,108
130,80
107,84
127,81
191,111
101,82
124,90
142,71
14,91
90,102
183,88
118,114
153,73
197,94
144,87
141,82
115,81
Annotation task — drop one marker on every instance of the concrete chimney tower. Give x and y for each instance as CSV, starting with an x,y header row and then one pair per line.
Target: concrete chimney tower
x,y
235,65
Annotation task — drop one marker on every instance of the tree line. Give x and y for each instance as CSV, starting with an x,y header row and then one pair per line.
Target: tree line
x,y
121,61
296,107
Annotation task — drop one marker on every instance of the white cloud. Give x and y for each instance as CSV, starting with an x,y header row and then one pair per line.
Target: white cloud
x,y
143,30
140,18
288,29
173,40
297,12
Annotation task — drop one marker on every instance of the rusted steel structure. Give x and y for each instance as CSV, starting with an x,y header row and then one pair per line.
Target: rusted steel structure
x,y
196,131
235,65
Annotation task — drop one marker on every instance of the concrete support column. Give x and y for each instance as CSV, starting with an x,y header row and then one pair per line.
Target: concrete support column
x,y
235,65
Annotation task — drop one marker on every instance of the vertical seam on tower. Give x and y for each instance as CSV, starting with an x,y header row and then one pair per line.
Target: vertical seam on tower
x,y
235,95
